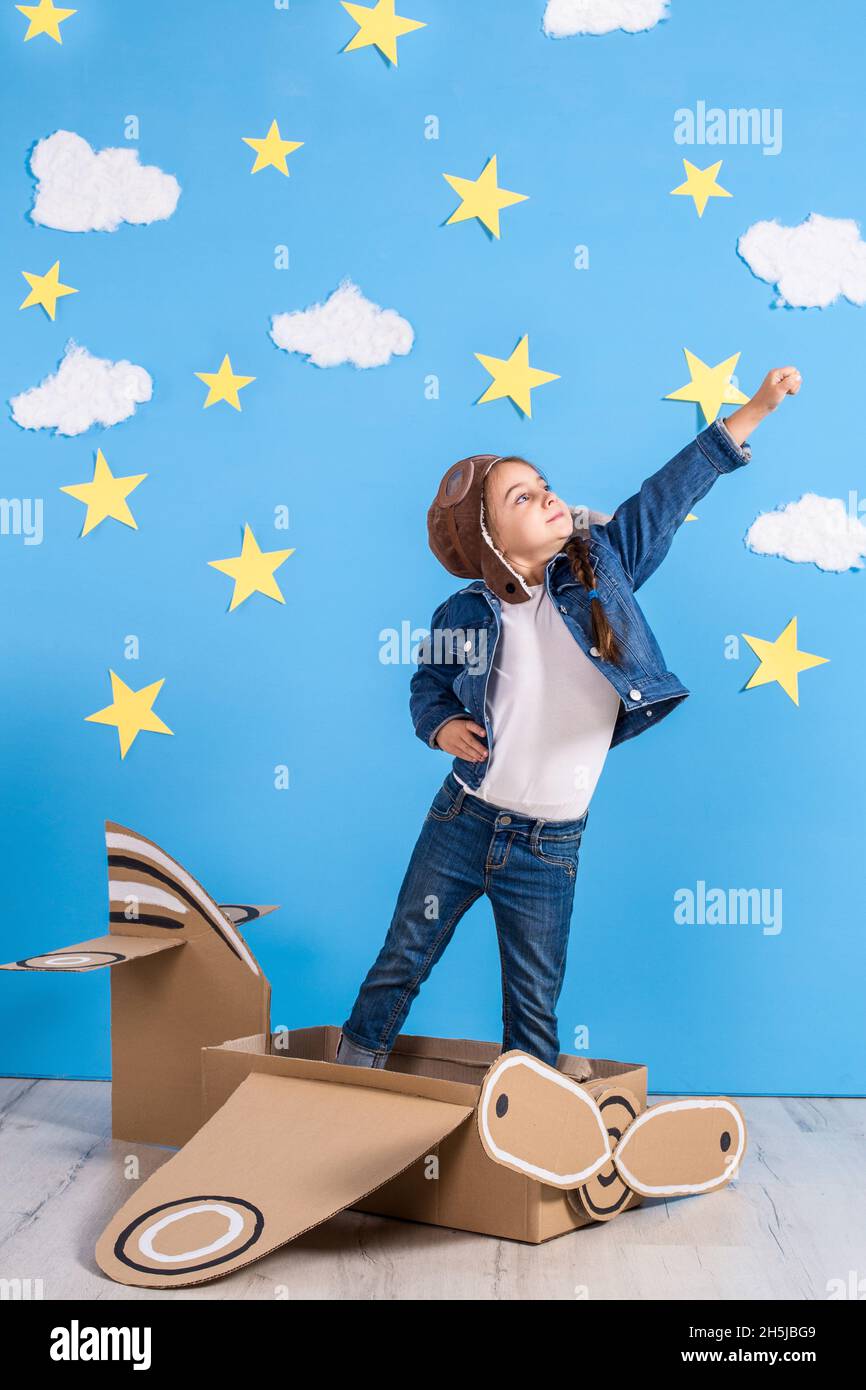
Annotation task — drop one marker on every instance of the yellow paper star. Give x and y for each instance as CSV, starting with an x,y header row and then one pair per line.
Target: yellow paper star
x,y
45,290
130,712
224,385
701,185
271,150
709,386
45,18
482,197
379,26
253,570
781,661
513,376
105,495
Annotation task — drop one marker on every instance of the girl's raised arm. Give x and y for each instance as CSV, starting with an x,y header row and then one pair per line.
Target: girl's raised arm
x,y
642,528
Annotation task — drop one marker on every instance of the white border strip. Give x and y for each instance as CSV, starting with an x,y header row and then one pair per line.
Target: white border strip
x,y
144,893
532,1169
681,1189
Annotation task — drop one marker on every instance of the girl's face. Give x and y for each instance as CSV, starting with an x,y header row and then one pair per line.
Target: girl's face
x,y
526,519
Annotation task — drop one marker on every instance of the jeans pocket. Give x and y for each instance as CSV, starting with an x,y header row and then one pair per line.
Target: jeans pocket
x,y
560,850
443,806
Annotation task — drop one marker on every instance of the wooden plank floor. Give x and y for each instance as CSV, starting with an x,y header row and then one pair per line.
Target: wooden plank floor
x,y
794,1222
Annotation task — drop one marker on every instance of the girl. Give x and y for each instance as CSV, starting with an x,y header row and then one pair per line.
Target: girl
x,y
531,673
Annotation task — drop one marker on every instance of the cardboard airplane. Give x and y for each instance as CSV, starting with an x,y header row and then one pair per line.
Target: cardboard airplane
x,y
277,1137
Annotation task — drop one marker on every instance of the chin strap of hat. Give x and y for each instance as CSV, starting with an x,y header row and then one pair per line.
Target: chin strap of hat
x,y
500,554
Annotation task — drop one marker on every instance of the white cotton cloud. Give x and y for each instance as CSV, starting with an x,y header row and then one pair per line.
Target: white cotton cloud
x,y
80,190
346,328
811,264
813,531
84,391
563,18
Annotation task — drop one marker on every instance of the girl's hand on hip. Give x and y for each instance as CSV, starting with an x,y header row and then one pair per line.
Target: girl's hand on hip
x,y
458,737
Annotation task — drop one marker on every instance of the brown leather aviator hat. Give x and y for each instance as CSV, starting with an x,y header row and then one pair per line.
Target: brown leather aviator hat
x,y
458,533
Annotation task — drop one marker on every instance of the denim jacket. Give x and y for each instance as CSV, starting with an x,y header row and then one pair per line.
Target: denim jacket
x,y
454,662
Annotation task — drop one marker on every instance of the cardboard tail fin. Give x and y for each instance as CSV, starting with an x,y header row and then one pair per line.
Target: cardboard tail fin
x,y
175,1002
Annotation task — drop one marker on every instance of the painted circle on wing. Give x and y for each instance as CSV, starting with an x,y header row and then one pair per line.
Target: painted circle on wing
x,y
606,1195
189,1234
68,960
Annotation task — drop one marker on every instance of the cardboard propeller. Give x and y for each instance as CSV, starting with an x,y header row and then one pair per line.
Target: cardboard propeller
x,y
171,1002
596,1143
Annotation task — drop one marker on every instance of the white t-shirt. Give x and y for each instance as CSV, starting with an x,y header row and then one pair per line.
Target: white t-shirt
x,y
552,713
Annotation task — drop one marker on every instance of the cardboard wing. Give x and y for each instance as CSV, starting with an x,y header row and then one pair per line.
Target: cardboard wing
x,y
172,1003
283,1154
535,1120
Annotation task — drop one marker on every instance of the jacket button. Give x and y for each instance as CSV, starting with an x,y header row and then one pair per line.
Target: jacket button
x,y
634,695
649,714
593,651
562,608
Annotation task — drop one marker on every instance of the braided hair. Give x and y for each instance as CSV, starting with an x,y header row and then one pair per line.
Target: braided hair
x,y
577,551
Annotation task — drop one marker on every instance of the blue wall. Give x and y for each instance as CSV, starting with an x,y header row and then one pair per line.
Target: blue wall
x,y
737,788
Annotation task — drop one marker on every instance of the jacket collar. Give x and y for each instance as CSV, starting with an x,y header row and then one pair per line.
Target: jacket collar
x,y
478,586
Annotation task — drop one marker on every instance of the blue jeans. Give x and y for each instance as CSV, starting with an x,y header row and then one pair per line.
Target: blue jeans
x,y
466,847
